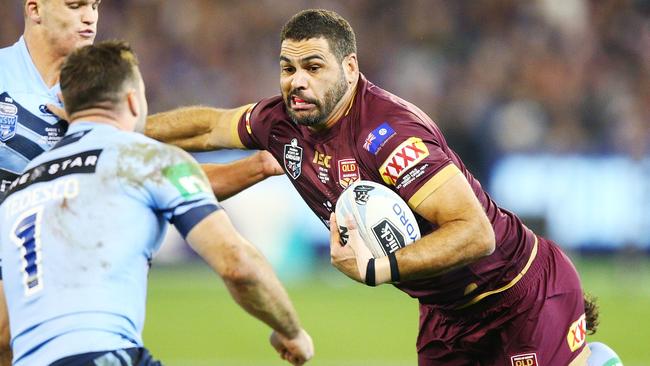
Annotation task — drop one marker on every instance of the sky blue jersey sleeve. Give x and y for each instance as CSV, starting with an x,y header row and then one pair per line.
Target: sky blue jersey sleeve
x,y
173,183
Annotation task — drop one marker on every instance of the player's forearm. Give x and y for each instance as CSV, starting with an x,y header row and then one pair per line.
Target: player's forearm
x,y
231,178
452,245
196,128
5,348
5,356
248,276
260,293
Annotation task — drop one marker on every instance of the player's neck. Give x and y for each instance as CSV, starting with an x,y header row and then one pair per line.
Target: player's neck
x,y
47,61
101,116
341,109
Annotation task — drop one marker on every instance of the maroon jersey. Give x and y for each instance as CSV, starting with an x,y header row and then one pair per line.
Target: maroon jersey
x,y
385,139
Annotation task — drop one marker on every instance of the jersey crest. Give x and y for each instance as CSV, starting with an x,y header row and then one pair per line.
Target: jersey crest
x,y
293,159
348,172
8,121
527,359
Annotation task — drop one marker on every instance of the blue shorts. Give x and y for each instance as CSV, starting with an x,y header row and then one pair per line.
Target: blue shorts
x,y
120,357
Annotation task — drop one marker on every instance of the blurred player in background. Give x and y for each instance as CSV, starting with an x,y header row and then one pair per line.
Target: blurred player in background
x,y
491,292
29,88
76,265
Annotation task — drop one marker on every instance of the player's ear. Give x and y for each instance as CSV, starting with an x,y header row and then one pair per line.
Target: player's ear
x,y
33,10
351,68
133,103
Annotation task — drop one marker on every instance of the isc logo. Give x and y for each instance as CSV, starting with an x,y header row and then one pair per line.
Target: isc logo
x,y
528,359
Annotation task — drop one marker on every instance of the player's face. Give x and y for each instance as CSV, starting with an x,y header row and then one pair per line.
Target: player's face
x,y
311,79
69,24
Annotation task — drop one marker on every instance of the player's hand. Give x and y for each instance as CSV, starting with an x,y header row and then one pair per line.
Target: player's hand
x,y
270,166
352,258
297,350
59,112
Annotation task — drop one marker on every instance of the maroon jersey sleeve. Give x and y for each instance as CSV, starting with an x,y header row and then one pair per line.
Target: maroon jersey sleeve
x,y
254,127
414,159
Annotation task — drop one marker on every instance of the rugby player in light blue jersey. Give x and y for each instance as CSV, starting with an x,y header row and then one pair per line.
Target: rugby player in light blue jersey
x,y
29,78
80,225
29,85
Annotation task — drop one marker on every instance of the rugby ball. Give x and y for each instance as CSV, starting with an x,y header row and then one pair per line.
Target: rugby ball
x,y
384,220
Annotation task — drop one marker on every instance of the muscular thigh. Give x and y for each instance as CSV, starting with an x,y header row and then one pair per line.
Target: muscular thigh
x,y
553,332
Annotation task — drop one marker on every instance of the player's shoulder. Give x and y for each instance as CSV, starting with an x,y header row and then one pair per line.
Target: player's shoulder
x,y
9,59
144,162
269,108
388,120
135,145
379,106
381,102
8,52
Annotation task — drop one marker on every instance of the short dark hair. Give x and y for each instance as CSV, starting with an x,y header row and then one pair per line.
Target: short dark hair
x,y
316,23
95,75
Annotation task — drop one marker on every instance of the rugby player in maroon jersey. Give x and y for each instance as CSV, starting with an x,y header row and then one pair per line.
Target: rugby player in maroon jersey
x,y
491,291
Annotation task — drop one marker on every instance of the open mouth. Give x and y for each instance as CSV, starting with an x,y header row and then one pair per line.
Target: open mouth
x,y
299,104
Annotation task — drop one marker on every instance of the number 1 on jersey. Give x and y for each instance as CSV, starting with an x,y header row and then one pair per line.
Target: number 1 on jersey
x,y
27,236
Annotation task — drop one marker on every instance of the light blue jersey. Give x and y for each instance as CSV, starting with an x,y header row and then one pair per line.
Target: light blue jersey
x,y
78,230
27,128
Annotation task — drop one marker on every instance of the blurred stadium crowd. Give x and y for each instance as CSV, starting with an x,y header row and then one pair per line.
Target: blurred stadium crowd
x,y
497,75
500,77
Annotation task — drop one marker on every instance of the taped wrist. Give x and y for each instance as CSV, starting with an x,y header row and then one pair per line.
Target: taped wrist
x,y
382,270
370,273
394,268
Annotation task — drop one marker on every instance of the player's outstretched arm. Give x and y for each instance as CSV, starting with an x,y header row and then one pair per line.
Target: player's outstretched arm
x,y
231,178
252,283
5,348
197,128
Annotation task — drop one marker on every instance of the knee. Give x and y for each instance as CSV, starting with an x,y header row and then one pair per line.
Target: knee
x,y
602,355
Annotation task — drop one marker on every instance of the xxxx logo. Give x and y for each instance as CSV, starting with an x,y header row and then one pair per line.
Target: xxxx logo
x,y
577,333
404,157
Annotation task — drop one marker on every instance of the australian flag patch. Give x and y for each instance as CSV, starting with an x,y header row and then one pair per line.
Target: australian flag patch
x,y
378,137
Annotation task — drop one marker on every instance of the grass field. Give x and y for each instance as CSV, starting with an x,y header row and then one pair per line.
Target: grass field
x,y
191,320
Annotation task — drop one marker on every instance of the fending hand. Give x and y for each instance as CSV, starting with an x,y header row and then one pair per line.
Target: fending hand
x,y
59,112
296,350
270,166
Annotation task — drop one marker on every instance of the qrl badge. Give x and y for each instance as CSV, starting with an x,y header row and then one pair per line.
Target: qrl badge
x,y
577,333
528,359
348,172
293,159
8,121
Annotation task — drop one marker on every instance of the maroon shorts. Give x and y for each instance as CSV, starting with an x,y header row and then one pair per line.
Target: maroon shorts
x,y
538,321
